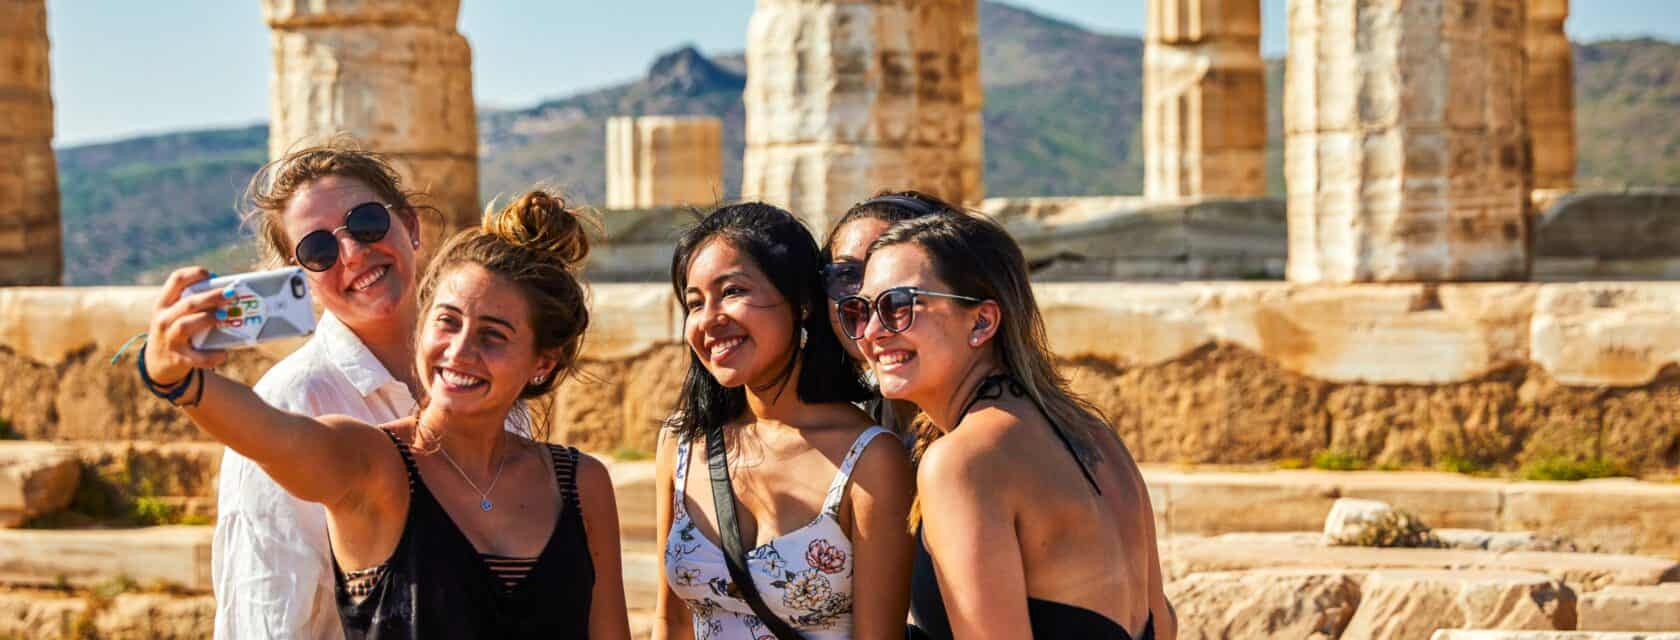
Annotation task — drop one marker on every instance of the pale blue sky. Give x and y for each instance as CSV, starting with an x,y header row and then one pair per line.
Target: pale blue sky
x,y
122,68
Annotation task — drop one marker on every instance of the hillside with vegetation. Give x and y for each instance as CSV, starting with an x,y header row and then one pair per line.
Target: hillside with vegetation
x,y
1063,108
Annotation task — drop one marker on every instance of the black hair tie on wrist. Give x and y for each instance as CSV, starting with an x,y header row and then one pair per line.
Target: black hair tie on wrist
x,y
169,392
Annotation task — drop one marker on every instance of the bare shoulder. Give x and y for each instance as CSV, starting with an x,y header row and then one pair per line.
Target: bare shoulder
x,y
970,456
592,473
883,464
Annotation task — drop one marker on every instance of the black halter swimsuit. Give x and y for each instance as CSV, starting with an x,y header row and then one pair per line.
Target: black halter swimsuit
x,y
1048,619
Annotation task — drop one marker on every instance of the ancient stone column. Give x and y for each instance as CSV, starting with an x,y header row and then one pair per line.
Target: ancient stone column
x,y
664,161
393,74
846,98
30,251
1204,100
1551,94
1406,156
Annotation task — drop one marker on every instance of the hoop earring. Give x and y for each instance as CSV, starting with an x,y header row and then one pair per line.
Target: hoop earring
x,y
804,337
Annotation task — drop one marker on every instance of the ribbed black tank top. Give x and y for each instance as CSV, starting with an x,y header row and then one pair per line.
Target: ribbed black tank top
x,y
436,585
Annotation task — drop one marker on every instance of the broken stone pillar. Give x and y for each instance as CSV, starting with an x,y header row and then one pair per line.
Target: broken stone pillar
x,y
1551,94
1204,100
393,74
844,99
663,161
1406,151
30,251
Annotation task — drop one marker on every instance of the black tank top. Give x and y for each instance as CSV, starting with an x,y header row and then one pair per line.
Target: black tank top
x,y
436,585
1048,619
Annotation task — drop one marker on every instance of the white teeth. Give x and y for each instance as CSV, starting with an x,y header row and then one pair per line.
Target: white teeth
x,y
894,357
458,379
725,345
368,280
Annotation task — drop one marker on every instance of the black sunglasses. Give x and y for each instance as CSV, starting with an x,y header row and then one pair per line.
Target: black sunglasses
x,y
841,279
896,308
367,223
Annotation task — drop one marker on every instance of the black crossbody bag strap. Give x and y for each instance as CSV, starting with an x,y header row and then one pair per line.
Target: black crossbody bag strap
x,y
729,529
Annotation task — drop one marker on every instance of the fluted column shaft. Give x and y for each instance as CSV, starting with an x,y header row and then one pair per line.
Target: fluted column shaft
x,y
31,250
1204,97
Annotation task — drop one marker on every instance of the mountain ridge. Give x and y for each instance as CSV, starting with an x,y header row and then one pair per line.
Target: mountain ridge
x,y
1063,108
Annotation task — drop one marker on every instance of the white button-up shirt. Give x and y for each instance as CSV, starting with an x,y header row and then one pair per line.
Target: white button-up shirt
x,y
270,561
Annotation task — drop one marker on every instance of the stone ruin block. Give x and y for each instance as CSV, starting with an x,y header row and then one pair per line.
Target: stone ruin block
x,y
30,252
1550,85
1204,114
394,75
1406,151
663,161
844,99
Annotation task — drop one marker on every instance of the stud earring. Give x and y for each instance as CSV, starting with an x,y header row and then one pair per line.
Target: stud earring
x,y
417,244
538,380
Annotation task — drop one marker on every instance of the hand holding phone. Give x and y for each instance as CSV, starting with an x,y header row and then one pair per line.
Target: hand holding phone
x,y
255,308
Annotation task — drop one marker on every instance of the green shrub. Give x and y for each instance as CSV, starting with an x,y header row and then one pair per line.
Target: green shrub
x,y
1338,460
1292,463
1570,470
1457,464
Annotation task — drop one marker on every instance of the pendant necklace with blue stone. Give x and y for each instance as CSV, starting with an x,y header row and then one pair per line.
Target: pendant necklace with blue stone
x,y
484,502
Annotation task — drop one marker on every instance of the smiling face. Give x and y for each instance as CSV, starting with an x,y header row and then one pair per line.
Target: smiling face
x,y
850,245
737,323
477,349
370,284
927,361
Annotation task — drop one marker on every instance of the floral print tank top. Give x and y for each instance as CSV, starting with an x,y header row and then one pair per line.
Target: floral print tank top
x,y
804,575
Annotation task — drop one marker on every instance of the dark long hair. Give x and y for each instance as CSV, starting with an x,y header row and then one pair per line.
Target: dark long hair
x,y
784,251
887,206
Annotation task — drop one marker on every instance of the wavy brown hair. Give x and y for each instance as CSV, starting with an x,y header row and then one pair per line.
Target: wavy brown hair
x,y
272,188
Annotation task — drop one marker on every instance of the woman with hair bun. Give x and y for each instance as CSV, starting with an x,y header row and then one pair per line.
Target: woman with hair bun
x,y
1034,519
443,524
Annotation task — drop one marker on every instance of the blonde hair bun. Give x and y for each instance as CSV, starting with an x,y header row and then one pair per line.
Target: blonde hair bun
x,y
542,222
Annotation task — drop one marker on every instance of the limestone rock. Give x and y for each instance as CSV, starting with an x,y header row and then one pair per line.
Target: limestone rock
x,y
1204,113
35,479
1550,89
1604,333
1406,154
30,252
394,75
1412,604
660,161
844,99
174,556
1370,523
1283,603
1457,634
53,615
1502,540
1632,609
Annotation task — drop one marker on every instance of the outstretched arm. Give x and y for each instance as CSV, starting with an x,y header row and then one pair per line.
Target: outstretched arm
x,y
318,460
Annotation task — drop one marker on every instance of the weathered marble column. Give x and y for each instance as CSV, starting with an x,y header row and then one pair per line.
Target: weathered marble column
x,y
30,247
1204,99
846,98
395,75
1406,156
663,161
1551,94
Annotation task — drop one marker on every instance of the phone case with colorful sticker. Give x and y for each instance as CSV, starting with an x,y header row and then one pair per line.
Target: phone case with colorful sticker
x,y
263,306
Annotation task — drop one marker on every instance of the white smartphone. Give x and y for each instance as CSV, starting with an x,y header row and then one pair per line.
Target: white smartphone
x,y
265,305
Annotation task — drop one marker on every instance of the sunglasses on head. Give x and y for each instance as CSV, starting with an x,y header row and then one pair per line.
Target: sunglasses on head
x,y
896,307
841,279
367,223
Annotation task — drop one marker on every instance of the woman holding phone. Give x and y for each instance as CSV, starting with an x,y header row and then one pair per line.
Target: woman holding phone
x,y
344,216
442,524
781,509
1034,520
